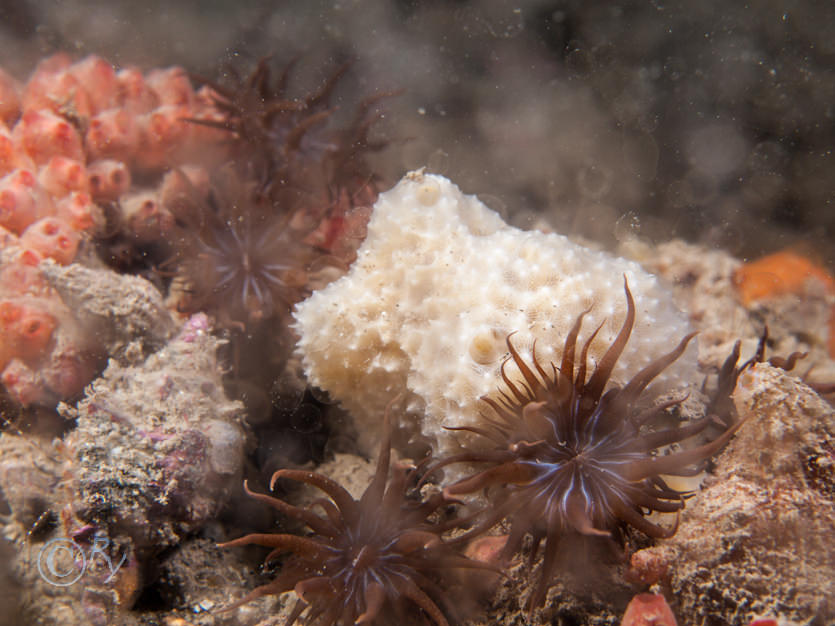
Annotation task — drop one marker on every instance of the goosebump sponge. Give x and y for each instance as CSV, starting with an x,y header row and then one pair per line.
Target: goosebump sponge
x,y
439,284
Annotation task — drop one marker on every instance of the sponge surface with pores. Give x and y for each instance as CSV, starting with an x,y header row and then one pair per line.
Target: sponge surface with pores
x,y
439,284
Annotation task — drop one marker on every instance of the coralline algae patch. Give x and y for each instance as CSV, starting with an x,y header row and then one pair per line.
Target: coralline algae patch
x,y
440,283
158,447
157,451
757,540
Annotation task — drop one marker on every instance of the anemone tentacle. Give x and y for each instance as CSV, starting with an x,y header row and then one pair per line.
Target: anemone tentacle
x,y
571,452
366,557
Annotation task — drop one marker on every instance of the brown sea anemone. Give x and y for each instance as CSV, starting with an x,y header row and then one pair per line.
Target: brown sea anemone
x,y
241,257
292,139
295,193
367,560
571,456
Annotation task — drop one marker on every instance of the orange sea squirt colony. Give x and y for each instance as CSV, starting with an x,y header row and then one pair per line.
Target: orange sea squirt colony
x,y
92,152
75,134
784,272
72,138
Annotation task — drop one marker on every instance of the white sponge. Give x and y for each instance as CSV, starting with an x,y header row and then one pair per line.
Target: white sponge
x,y
439,284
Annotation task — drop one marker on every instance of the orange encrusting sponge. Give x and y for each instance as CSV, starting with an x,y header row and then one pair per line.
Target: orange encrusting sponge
x,y
784,272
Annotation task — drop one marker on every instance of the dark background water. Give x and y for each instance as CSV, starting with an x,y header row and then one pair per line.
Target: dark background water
x,y
708,120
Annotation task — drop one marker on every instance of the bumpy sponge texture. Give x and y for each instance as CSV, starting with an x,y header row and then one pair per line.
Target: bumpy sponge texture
x,y
439,284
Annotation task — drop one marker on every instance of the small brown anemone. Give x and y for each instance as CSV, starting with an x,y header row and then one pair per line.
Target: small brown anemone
x,y
365,560
241,257
291,139
571,456
295,194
